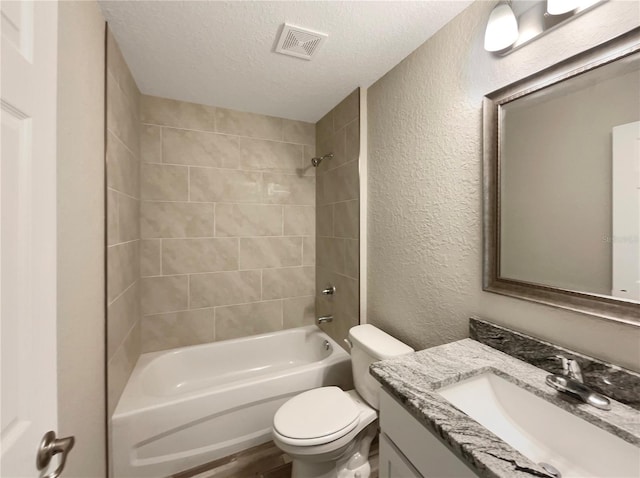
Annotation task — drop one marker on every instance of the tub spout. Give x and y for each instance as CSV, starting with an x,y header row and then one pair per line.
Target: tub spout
x,y
324,319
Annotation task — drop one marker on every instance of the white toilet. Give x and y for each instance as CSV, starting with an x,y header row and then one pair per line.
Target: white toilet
x,y
327,431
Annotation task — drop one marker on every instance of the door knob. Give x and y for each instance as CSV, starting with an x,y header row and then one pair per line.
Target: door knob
x,y
50,446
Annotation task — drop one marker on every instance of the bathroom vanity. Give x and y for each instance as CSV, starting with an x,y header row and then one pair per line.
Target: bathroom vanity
x,y
466,409
409,450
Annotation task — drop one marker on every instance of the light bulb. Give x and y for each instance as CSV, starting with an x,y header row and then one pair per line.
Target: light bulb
x,y
502,29
558,7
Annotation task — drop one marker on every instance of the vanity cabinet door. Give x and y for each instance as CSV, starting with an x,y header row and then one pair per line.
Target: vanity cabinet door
x,y
426,453
392,463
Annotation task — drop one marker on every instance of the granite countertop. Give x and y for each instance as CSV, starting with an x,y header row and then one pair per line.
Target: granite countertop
x,y
415,378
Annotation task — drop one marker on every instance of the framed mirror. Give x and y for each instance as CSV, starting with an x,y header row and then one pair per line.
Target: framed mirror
x,y
562,184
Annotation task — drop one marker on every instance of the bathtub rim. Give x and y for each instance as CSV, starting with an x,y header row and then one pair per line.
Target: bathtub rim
x,y
133,392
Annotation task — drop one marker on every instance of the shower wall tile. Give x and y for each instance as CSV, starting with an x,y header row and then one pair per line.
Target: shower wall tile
x,y
251,125
339,184
299,221
122,115
164,294
237,220
347,301
176,219
338,216
309,251
352,258
346,221
120,366
225,185
196,148
299,311
128,218
123,168
150,257
122,268
266,252
346,111
166,112
124,312
288,282
330,253
289,189
307,167
249,319
177,329
117,66
164,182
324,128
227,218
123,222
336,143
266,155
150,144
299,132
112,217
183,256
324,220
225,288
352,144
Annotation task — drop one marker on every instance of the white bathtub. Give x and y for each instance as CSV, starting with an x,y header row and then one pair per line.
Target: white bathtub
x,y
185,407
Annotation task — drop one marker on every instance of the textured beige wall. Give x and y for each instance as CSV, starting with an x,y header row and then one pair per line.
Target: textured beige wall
x,y
425,194
556,185
338,218
123,223
227,222
80,223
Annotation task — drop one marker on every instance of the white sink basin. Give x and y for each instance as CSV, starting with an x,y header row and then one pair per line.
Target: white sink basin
x,y
541,431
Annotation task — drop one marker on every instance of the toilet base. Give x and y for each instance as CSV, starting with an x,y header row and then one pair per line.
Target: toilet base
x,y
353,462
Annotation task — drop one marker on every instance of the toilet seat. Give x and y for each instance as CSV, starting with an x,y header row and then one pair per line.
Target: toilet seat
x,y
315,417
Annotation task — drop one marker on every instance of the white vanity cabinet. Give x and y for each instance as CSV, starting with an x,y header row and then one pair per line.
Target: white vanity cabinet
x,y
409,450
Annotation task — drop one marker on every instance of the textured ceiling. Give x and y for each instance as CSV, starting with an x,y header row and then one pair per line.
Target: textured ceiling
x,y
221,53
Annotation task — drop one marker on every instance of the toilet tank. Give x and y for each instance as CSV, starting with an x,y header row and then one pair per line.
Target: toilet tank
x,y
368,345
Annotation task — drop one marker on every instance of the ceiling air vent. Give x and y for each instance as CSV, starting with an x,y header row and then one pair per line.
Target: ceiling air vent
x,y
299,42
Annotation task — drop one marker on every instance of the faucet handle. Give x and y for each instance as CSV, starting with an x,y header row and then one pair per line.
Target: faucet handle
x,y
570,368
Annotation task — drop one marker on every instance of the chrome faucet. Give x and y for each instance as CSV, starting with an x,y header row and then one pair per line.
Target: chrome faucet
x,y
324,319
571,382
571,368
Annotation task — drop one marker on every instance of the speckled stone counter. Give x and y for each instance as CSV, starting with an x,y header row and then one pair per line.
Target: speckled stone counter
x,y
415,378
615,382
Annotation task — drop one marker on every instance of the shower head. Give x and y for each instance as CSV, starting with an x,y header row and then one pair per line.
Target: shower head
x,y
317,160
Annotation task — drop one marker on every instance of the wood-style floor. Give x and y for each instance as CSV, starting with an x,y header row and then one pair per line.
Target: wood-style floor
x,y
263,461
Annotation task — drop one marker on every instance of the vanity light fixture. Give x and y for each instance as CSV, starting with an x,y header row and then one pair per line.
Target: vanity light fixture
x,y
502,28
558,7
513,24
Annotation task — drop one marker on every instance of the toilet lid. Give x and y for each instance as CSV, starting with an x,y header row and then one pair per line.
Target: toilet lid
x,y
316,413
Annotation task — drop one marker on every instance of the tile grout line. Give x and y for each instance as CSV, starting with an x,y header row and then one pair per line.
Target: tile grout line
x,y
292,236
162,145
189,292
215,224
279,299
227,202
231,271
222,133
122,243
121,293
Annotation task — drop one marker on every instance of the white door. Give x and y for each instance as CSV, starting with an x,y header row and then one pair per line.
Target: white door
x,y
626,211
28,394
